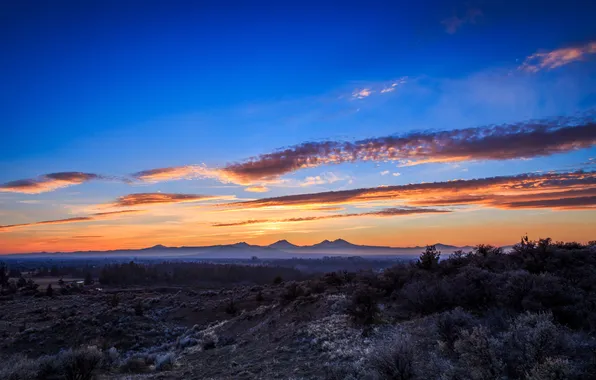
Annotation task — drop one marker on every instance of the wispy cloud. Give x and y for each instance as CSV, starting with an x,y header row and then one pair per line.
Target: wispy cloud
x,y
324,178
388,212
499,192
192,172
363,93
48,182
256,189
510,141
378,88
78,219
160,198
556,58
454,23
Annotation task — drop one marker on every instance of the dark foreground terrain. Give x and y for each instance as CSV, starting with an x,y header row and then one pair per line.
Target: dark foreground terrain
x,y
526,314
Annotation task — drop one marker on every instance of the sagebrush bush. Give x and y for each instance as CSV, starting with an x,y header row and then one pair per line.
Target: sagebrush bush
x,y
292,291
425,297
165,362
134,364
209,341
553,369
364,308
394,359
450,324
80,364
531,339
231,307
19,367
72,364
479,355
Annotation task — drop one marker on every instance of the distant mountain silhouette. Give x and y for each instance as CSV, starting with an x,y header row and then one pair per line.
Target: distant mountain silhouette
x,y
336,244
280,249
240,245
158,246
283,244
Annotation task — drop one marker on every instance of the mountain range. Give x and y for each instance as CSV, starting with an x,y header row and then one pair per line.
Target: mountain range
x,y
281,249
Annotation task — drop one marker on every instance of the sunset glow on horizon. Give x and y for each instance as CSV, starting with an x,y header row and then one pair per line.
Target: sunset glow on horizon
x,y
130,126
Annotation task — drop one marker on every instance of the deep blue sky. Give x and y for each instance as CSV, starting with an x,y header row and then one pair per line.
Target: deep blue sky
x,y
75,69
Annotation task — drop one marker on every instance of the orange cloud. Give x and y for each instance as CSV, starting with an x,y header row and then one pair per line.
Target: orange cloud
x,y
382,213
500,192
557,58
502,142
92,217
257,189
48,182
159,198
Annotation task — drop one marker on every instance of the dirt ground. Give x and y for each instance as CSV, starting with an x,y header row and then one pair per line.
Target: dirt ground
x,y
263,337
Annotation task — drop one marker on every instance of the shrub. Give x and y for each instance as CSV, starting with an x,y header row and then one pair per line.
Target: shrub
x,y
19,367
486,250
292,291
115,300
450,324
209,341
425,297
552,369
49,291
479,355
394,360
472,288
80,364
532,338
231,307
139,310
21,282
112,355
134,364
363,308
333,279
277,280
259,297
187,341
165,362
317,287
77,364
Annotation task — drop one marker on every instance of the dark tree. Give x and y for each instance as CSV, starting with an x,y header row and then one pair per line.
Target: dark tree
x,y
21,283
3,274
114,300
49,291
429,259
231,307
88,279
139,310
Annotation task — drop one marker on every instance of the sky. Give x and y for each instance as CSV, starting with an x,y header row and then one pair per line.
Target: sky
x,y
134,123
